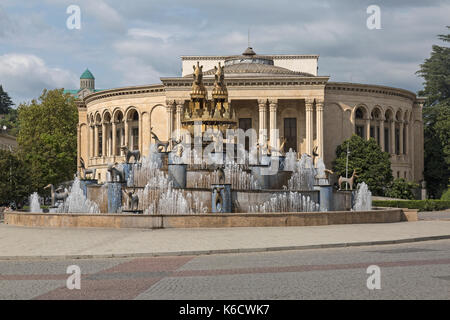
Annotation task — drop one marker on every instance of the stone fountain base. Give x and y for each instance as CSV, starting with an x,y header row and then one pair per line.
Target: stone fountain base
x,y
203,220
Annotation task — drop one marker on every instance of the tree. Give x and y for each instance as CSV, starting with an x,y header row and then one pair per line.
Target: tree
x,y
9,120
48,138
14,182
401,189
371,164
8,115
5,101
436,113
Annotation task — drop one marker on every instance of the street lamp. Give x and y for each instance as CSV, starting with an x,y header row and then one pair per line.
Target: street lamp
x,y
346,168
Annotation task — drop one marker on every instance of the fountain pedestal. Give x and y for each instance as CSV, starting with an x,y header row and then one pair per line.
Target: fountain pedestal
x,y
325,197
84,183
177,174
114,197
221,198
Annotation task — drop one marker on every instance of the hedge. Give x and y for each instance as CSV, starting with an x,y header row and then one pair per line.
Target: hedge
x,y
422,205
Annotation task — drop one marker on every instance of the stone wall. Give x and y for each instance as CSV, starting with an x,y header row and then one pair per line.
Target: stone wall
x,y
203,220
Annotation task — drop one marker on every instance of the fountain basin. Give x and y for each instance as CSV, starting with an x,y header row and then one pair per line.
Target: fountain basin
x,y
203,220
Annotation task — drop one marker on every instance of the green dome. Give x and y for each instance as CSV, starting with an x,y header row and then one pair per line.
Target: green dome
x,y
87,75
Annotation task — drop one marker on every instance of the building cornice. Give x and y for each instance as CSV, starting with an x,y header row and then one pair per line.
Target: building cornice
x,y
270,81
370,88
277,56
133,90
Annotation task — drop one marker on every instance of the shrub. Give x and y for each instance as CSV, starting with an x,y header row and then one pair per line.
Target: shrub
x,y
422,205
446,195
401,189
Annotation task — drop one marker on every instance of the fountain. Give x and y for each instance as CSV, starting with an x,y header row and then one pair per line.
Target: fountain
x,y
363,198
183,178
76,201
35,205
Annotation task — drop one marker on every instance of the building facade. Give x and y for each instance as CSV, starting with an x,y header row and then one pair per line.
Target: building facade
x,y
267,92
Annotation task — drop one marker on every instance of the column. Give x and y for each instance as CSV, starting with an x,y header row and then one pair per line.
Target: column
x,y
407,138
91,141
273,105
113,151
140,147
392,134
309,105
96,141
400,138
179,113
367,128
126,141
79,147
262,108
170,108
382,134
319,127
103,139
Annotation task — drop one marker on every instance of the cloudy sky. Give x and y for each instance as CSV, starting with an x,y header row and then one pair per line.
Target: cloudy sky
x,y
137,41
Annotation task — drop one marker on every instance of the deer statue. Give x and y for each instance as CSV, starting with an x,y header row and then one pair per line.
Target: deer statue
x,y
86,171
58,194
347,180
159,144
136,154
116,173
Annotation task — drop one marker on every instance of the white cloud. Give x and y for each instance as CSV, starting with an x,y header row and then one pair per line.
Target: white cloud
x,y
24,76
136,72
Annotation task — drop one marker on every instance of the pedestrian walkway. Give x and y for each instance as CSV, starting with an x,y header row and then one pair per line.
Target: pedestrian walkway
x,y
42,243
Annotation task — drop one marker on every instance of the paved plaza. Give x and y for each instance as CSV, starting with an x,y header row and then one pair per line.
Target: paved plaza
x,y
26,242
232,263
408,271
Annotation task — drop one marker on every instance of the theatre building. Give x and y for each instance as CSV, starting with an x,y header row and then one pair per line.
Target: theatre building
x,y
281,92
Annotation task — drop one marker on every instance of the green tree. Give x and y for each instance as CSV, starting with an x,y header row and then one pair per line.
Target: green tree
x,y
14,181
401,189
436,113
5,101
48,138
371,164
9,120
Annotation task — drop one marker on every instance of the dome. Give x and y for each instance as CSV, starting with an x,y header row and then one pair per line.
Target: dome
x,y
251,64
87,75
256,69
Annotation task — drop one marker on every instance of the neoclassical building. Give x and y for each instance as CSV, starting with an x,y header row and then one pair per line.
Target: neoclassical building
x,y
281,92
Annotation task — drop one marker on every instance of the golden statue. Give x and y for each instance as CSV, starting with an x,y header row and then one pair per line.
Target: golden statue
x,y
198,89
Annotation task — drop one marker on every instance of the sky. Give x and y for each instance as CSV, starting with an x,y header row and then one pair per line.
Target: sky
x,y
136,42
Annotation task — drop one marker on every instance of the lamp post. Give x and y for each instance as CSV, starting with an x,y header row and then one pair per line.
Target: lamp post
x,y
346,168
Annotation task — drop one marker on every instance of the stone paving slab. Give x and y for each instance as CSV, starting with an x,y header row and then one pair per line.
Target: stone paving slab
x,y
83,243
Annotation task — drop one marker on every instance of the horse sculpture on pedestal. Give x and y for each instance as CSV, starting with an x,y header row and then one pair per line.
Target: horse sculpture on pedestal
x,y
86,171
116,173
136,154
159,144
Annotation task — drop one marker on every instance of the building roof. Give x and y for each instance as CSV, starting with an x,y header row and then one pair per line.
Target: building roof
x,y
87,75
251,64
257,69
76,91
